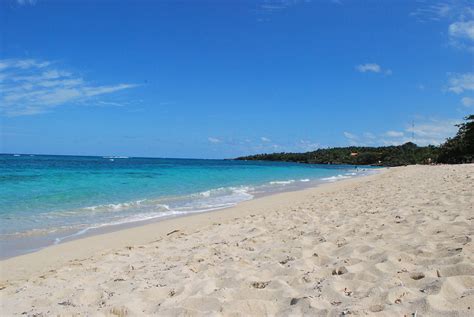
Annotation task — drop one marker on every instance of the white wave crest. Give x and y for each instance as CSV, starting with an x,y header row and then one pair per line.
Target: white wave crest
x,y
282,182
335,178
118,206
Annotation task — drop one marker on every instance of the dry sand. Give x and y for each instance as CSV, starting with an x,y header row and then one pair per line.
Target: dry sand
x,y
398,243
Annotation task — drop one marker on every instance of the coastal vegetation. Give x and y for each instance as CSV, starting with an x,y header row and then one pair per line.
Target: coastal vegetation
x,y
458,149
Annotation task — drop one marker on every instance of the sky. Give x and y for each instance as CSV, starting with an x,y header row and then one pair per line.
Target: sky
x,y
220,79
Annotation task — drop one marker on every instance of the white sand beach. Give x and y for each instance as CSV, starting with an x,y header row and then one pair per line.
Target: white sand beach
x,y
398,243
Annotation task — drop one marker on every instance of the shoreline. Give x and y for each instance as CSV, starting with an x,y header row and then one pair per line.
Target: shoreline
x,y
38,243
142,232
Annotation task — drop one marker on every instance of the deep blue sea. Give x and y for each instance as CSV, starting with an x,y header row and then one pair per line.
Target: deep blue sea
x,y
49,199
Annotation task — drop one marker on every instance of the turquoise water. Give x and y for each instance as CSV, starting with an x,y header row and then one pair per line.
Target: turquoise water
x,y
53,198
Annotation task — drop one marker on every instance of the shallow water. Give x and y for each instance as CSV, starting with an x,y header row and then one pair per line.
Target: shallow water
x,y
49,199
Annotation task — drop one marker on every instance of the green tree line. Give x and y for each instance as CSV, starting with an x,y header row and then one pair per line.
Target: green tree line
x,y
458,149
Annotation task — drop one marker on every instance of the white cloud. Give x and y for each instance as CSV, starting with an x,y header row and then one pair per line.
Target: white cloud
x,y
26,2
352,138
459,14
373,68
256,145
366,139
462,30
447,9
429,132
459,83
307,145
302,145
369,135
100,90
370,67
461,35
425,132
266,8
110,103
433,131
394,134
213,140
271,6
468,102
350,135
432,12
22,64
32,87
265,139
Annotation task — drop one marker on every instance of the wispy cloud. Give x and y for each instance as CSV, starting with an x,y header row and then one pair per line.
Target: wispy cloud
x,y
461,35
394,134
350,135
439,10
462,84
369,135
458,83
270,6
307,145
32,87
22,63
351,138
26,2
426,132
467,102
214,140
302,145
462,30
267,8
433,131
458,13
110,103
249,145
372,68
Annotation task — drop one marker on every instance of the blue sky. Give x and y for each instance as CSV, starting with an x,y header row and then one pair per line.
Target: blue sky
x,y
218,79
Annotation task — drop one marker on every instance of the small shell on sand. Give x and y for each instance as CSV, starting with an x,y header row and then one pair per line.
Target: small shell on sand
x,y
417,275
260,285
339,271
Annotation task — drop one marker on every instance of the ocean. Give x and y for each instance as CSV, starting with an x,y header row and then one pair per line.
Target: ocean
x,y
46,199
